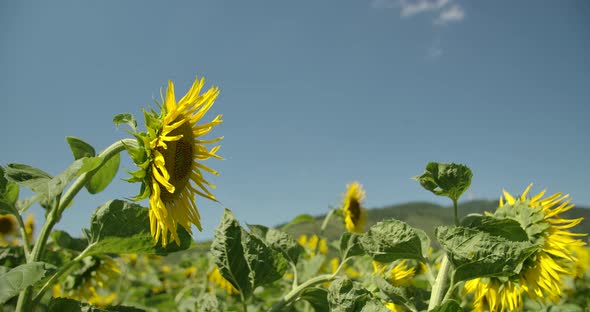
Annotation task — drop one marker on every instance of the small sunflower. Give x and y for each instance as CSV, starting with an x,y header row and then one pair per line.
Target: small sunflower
x,y
83,284
355,216
218,280
542,274
170,159
8,225
30,227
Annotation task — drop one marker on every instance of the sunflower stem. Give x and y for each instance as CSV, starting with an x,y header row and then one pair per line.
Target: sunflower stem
x,y
54,215
455,209
438,289
23,233
57,274
294,294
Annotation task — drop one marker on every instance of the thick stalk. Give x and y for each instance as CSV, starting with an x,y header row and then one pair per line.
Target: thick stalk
x,y
456,212
438,289
23,233
55,214
293,294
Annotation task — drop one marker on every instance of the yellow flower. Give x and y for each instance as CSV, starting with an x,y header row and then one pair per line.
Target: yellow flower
x,y
82,285
311,244
393,307
30,227
542,273
8,225
399,275
218,280
171,168
583,255
190,271
355,216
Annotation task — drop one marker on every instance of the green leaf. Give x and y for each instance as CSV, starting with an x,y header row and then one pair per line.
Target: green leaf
x,y
475,253
345,295
279,241
397,295
125,119
350,245
104,175
8,194
42,183
64,240
317,297
71,305
448,306
21,277
390,240
80,149
121,227
302,218
450,180
507,228
243,259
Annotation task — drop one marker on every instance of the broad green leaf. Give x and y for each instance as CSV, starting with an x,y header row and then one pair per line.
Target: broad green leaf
x,y
448,306
350,245
507,228
42,183
390,240
530,218
397,295
345,295
317,297
19,278
450,180
8,194
125,119
299,219
121,227
228,253
244,259
64,240
475,253
28,176
278,240
80,149
266,265
102,177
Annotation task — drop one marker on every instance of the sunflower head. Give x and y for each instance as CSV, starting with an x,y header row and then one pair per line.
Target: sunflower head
x,y
169,156
8,225
355,215
398,275
541,276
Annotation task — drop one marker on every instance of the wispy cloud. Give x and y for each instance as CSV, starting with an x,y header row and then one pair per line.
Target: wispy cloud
x,y
452,14
445,10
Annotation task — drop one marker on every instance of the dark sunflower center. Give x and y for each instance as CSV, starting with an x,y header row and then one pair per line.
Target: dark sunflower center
x,y
6,225
178,158
355,209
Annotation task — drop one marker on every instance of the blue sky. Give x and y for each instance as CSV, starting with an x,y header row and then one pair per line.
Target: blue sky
x,y
315,94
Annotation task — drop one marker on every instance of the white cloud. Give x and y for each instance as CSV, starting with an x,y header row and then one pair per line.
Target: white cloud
x,y
446,10
453,14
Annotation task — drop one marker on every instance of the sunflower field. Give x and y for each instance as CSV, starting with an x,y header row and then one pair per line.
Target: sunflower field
x,y
522,256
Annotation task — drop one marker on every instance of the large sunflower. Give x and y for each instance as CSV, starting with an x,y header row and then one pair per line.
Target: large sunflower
x,y
542,274
355,216
171,169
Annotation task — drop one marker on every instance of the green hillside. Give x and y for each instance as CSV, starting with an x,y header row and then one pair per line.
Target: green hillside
x,y
426,216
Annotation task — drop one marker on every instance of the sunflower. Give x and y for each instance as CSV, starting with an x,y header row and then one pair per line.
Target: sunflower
x,y
8,225
30,227
83,284
355,216
170,159
541,276
218,280
311,244
398,275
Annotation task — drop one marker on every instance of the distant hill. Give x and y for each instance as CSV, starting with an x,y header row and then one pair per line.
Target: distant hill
x,y
426,216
